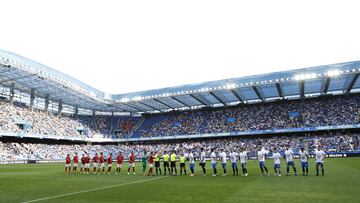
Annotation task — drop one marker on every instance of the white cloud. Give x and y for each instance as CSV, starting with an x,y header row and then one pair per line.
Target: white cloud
x,y
125,46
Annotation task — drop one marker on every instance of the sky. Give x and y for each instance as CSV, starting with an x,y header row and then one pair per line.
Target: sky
x,y
126,46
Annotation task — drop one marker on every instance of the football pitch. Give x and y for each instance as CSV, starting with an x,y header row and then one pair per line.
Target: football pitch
x,y
48,183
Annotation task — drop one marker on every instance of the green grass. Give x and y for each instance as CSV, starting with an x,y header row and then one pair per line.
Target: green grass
x,y
23,182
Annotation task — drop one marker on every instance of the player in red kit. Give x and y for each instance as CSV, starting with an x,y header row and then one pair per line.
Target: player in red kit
x,y
119,161
87,164
151,163
82,164
131,163
102,163
109,161
75,163
67,164
95,162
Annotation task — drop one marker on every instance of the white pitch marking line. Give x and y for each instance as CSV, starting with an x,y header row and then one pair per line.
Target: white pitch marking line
x,y
91,190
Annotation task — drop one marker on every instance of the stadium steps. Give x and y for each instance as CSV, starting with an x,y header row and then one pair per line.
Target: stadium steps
x,y
137,126
150,121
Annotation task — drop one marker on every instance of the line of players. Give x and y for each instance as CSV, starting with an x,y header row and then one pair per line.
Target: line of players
x,y
154,158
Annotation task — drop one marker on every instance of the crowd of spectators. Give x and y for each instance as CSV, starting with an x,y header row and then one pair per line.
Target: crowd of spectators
x,y
264,116
329,143
126,125
18,118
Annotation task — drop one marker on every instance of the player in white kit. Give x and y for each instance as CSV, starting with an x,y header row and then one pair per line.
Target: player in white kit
x,y
213,161
192,162
289,155
261,154
319,160
233,159
243,159
277,158
223,160
304,156
203,161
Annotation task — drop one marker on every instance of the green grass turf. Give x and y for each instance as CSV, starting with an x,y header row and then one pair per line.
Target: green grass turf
x,y
23,182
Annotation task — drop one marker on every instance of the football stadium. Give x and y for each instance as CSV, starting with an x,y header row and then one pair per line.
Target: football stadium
x,y
193,133
274,135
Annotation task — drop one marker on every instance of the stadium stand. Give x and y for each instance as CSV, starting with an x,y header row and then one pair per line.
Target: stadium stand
x,y
288,114
280,115
329,142
42,109
17,117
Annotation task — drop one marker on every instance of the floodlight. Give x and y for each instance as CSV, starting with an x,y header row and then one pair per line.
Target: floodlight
x,y
306,76
230,86
333,73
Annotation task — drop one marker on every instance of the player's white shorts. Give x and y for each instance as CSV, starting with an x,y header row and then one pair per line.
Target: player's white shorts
x,y
75,165
67,165
119,165
150,165
102,165
82,165
109,165
131,164
87,165
96,165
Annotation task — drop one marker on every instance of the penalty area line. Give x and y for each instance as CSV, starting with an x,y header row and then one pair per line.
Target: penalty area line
x,y
91,190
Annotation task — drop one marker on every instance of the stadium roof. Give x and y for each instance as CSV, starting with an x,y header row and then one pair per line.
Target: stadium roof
x,y
29,76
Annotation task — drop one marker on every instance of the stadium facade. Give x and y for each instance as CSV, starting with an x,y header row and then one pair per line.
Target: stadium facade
x,y
41,87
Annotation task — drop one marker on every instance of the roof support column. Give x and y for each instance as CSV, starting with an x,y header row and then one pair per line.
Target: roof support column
x,y
59,108
218,98
47,103
352,83
32,99
93,112
326,83
200,101
76,109
237,96
258,93
12,92
280,90
180,101
302,89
